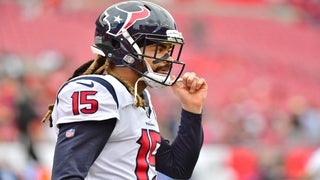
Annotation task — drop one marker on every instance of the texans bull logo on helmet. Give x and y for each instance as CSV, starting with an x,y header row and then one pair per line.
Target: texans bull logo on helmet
x,y
123,16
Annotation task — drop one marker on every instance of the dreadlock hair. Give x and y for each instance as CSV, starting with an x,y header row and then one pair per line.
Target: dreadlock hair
x,y
99,65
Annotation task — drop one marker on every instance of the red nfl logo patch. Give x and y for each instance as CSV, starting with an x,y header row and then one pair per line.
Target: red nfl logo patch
x,y
70,133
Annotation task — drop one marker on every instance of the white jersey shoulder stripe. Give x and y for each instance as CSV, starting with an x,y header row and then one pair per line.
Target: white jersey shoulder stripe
x,y
102,81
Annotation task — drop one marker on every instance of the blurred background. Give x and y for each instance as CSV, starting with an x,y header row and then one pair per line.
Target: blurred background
x,y
261,59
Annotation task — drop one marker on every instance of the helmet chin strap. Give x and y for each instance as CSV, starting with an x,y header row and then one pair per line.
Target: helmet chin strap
x,y
151,83
156,76
136,90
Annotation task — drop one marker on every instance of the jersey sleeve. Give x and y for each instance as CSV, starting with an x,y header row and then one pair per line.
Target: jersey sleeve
x,y
178,159
78,145
85,98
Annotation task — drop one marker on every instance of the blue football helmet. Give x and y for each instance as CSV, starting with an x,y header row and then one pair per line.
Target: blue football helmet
x,y
124,30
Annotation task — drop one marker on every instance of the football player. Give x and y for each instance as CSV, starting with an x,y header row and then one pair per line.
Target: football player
x,y
105,122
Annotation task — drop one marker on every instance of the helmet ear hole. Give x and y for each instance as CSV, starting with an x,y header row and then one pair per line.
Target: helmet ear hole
x,y
109,46
115,44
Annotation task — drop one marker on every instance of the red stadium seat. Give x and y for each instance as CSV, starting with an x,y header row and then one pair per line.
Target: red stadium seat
x,y
295,162
244,162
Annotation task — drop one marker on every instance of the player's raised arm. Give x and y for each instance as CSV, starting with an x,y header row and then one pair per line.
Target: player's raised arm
x,y
179,158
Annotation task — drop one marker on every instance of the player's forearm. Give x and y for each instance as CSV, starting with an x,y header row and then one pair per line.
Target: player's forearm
x,y
179,159
189,140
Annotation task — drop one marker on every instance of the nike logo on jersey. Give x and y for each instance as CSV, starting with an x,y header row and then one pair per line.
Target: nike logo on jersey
x,y
90,85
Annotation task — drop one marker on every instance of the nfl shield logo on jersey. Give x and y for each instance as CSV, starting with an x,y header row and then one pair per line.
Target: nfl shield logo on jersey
x,y
70,133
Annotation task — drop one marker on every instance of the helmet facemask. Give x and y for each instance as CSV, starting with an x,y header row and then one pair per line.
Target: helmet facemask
x,y
173,67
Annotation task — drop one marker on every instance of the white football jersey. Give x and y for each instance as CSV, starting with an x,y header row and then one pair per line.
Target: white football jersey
x,y
131,148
